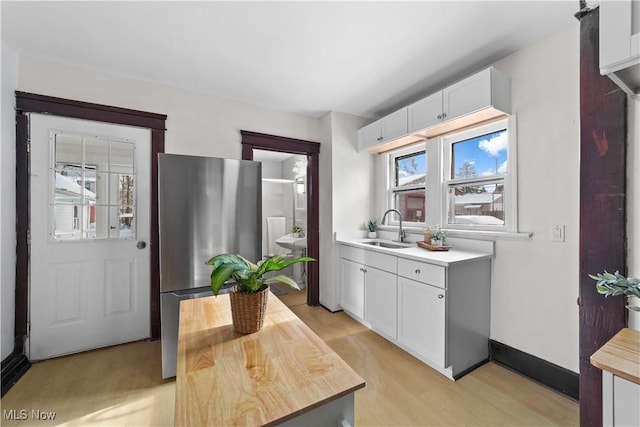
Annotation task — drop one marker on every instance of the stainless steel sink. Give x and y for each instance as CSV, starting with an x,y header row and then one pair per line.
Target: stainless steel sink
x,y
388,245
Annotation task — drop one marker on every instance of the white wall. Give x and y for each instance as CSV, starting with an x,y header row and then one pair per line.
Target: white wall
x,y
346,196
535,282
196,124
327,261
8,190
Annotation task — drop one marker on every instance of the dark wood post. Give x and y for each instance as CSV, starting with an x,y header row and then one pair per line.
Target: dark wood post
x,y
603,129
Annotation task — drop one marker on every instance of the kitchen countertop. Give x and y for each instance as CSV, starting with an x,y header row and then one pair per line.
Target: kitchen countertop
x,y
444,258
620,355
280,372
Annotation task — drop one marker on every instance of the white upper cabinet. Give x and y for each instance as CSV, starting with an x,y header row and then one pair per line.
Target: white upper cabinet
x,y
394,125
370,135
620,43
381,131
483,96
478,98
468,96
425,113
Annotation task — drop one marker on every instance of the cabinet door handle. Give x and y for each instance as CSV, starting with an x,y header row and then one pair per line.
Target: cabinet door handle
x,y
440,296
364,270
444,115
379,138
439,116
417,271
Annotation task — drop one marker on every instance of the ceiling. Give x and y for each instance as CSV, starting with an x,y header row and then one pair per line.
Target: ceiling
x,y
362,58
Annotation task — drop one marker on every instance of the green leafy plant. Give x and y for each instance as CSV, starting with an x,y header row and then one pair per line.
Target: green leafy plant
x,y
249,276
372,225
296,229
615,284
437,233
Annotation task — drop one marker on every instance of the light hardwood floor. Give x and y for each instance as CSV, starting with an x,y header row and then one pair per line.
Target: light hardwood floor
x,y
122,386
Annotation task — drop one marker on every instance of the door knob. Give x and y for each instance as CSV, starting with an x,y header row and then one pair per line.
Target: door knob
x,y
141,245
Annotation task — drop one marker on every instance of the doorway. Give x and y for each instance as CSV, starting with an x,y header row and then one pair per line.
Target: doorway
x,y
27,103
305,182
284,213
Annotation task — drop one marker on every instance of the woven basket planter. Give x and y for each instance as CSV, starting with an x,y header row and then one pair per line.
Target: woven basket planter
x,y
248,309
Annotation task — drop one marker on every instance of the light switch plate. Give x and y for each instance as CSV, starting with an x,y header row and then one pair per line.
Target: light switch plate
x,y
557,233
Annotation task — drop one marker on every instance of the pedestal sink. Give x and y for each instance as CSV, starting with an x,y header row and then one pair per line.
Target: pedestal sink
x,y
297,245
292,243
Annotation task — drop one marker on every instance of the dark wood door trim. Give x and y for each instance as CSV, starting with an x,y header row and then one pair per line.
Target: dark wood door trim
x,y
260,141
603,133
34,103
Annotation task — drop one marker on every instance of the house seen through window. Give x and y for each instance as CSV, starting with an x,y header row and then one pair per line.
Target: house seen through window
x,y
477,179
407,189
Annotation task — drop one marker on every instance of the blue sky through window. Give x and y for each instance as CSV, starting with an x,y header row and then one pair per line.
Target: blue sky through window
x,y
480,156
411,170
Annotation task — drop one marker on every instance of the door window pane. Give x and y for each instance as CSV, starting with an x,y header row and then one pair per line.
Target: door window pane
x,y
96,153
122,157
68,150
67,220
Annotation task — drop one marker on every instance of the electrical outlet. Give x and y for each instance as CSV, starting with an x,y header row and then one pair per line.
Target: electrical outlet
x,y
557,233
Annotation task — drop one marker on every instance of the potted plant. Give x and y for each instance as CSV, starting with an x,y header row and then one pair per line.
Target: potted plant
x,y
616,284
438,235
249,296
296,230
373,227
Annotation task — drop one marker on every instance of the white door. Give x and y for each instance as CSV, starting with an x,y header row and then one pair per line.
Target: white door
x,y
89,223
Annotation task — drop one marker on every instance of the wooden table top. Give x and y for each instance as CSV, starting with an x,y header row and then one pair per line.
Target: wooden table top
x,y
265,378
620,355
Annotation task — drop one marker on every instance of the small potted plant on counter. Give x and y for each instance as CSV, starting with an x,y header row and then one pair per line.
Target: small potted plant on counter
x,y
373,228
249,296
438,236
296,230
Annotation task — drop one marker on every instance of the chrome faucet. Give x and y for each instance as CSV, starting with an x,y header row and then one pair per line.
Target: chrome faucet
x,y
401,233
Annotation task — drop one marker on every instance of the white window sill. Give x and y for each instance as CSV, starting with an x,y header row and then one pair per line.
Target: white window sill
x,y
465,234
487,235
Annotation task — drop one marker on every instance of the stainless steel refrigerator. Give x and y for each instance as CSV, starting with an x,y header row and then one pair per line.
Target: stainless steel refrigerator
x,y
207,206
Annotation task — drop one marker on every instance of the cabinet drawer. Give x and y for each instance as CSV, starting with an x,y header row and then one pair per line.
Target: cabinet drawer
x,y
353,254
372,258
381,261
422,272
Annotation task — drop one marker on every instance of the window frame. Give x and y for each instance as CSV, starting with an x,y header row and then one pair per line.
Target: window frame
x,y
391,189
510,195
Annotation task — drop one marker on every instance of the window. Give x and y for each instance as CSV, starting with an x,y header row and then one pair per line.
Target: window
x,y
93,188
468,178
407,183
479,183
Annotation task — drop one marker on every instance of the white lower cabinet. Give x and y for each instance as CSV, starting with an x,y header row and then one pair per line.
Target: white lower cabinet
x,y
380,295
352,289
440,314
620,399
421,319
